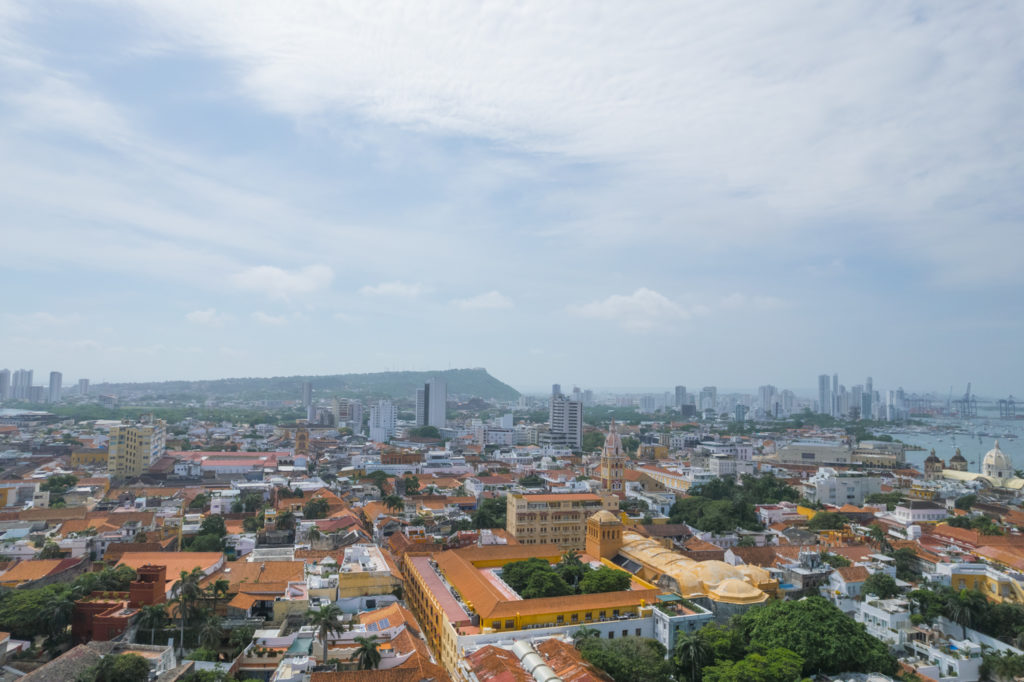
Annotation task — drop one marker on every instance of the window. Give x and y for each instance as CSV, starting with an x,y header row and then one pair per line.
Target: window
x,y
496,624
638,632
575,618
588,617
615,613
509,624
625,633
611,635
601,614
560,619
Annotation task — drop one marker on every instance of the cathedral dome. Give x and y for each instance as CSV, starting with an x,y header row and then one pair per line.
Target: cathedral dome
x,y
932,459
606,518
958,457
997,464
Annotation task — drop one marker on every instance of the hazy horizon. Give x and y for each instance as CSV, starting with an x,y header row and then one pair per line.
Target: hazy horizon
x,y
607,195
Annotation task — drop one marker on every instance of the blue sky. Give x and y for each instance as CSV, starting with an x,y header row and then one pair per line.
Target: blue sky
x,y
606,194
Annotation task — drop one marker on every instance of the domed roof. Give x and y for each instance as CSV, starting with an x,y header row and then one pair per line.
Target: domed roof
x,y
932,458
997,459
736,591
605,517
958,457
712,573
689,584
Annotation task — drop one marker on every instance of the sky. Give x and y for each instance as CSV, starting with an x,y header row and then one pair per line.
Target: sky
x,y
604,194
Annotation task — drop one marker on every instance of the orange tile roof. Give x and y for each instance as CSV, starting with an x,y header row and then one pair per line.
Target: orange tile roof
x,y
32,569
176,562
853,574
239,573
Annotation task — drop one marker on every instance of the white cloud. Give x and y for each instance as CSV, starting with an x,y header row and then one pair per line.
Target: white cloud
x,y
207,318
759,303
273,320
640,311
278,283
491,300
40,320
397,289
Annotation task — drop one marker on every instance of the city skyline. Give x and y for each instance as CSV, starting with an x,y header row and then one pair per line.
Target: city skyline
x,y
727,194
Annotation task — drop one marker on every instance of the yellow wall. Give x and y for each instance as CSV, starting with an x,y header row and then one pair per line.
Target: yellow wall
x,y
366,584
81,458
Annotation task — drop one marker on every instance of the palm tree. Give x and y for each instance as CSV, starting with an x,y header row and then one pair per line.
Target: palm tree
x,y
56,614
691,655
217,589
326,621
394,503
366,653
878,535
210,634
187,593
286,521
583,635
964,608
152,617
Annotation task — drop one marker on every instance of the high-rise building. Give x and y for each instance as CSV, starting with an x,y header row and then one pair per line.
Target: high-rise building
x,y
824,394
383,419
5,384
680,396
135,447
613,464
421,406
21,384
836,408
83,387
432,404
709,398
868,408
53,395
307,394
565,422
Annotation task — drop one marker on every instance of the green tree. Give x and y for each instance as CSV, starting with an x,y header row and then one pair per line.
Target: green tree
x,y
880,585
394,503
412,485
879,537
775,665
690,656
583,634
251,524
907,565
51,550
531,481
966,502
380,479
199,501
827,639
605,579
366,653
629,659
326,621
490,513
213,525
545,584
593,441
827,521
286,521
317,508
117,668
965,608
205,543
210,633
152,617
835,560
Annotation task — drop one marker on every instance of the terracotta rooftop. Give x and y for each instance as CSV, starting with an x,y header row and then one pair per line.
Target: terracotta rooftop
x,y
853,574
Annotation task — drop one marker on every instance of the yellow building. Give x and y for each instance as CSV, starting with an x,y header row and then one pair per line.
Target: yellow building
x,y
89,457
134,447
652,451
729,588
558,518
486,605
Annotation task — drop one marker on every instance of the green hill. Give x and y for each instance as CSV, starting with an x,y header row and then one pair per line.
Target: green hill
x,y
461,382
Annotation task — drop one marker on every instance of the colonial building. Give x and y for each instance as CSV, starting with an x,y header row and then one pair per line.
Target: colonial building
x,y
554,518
613,463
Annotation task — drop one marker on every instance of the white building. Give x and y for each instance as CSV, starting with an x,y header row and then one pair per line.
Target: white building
x,y
565,422
54,394
830,486
383,421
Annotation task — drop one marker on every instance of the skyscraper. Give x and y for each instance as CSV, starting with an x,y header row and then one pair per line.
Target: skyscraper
x,y
21,384
824,394
383,418
5,384
709,398
565,422
83,387
835,396
53,395
868,409
680,396
432,404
